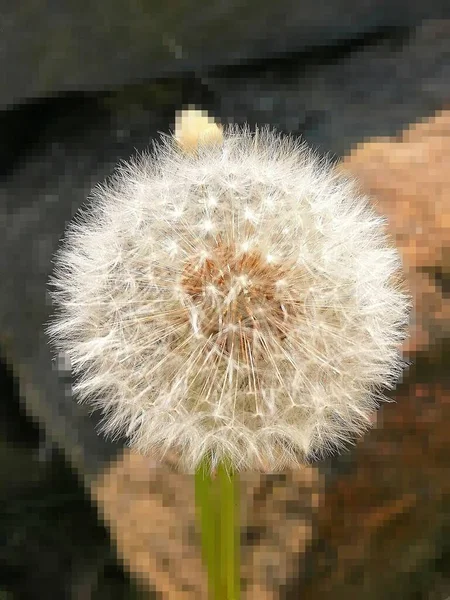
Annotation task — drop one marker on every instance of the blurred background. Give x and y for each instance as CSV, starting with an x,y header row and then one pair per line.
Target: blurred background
x,y
83,85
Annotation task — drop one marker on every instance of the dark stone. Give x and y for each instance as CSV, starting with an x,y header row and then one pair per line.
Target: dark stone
x,y
47,48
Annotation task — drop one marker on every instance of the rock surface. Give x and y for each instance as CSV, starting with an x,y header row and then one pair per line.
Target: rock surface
x,y
51,47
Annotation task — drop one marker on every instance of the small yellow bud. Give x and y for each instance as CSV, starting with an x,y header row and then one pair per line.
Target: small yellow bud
x,y
194,127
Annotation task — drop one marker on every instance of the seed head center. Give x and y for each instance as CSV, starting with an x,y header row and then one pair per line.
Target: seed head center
x,y
235,292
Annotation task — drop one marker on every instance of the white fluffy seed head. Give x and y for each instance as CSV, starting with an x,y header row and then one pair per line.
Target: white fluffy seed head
x,y
239,301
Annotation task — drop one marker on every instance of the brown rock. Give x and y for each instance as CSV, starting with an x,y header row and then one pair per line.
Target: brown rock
x,y
409,180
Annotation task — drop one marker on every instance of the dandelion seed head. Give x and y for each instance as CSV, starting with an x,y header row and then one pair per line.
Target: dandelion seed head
x,y
241,300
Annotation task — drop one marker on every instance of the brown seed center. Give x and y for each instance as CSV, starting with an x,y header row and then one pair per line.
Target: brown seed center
x,y
236,292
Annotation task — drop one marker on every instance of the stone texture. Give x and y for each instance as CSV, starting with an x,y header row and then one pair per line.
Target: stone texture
x,y
50,47
409,180
344,96
150,510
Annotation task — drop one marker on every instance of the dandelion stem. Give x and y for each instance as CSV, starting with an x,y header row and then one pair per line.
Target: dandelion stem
x,y
229,536
217,501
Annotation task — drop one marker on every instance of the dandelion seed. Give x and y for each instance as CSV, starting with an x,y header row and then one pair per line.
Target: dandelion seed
x,y
187,317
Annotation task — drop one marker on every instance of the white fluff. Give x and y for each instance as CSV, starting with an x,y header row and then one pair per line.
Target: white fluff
x,y
241,301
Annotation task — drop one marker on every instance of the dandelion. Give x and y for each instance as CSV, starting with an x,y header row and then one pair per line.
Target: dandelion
x,y
241,301
236,300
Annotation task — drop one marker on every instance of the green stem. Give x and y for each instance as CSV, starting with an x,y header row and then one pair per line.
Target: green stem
x,y
217,500
205,504
229,503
